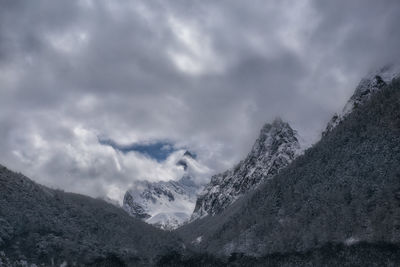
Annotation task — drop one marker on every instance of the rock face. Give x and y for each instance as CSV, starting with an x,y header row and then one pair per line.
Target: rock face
x,y
166,204
274,149
367,87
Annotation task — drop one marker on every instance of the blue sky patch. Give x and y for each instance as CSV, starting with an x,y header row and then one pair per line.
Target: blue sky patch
x,y
158,150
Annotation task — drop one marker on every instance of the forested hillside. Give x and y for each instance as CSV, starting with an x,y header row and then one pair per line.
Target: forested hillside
x,y
44,226
338,204
345,190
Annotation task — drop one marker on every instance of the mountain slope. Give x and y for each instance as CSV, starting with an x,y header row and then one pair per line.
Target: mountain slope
x,y
275,148
345,189
46,226
166,204
368,86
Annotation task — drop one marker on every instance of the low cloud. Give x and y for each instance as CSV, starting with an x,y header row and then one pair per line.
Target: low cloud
x,y
204,75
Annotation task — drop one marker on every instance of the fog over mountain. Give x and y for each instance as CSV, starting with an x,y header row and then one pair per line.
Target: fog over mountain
x,y
335,204
199,133
173,75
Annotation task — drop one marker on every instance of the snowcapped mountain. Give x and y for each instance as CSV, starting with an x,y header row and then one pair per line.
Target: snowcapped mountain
x,y
167,204
367,87
274,149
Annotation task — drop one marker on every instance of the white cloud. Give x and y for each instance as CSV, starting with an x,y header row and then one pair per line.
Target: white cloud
x,y
81,164
195,54
204,74
69,42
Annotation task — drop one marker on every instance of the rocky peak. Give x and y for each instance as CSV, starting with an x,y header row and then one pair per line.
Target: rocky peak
x,y
274,149
274,137
367,87
184,160
188,154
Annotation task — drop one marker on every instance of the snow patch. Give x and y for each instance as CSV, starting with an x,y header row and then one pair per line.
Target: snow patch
x,y
351,241
167,204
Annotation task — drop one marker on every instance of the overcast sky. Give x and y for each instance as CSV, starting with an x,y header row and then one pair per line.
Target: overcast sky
x,y
198,75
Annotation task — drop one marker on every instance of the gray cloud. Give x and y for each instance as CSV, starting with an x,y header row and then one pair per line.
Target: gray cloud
x,y
204,74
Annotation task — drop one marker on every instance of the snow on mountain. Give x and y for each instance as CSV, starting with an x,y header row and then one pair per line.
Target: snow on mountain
x,y
274,149
167,204
367,87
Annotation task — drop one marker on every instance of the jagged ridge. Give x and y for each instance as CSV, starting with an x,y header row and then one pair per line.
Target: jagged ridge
x,y
274,149
345,189
368,86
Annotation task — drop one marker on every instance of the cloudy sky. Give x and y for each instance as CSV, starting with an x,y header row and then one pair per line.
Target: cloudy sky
x,y
80,80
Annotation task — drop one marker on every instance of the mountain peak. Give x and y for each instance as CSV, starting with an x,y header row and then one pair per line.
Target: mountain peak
x,y
368,86
276,123
276,146
188,154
